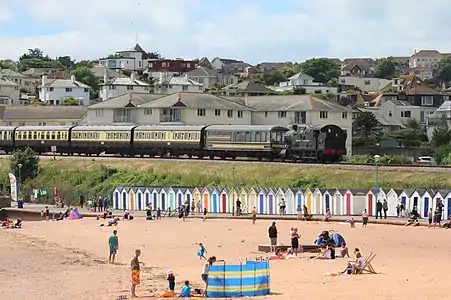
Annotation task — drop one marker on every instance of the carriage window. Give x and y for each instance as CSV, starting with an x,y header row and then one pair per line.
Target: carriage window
x,y
58,135
248,136
176,135
35,135
47,135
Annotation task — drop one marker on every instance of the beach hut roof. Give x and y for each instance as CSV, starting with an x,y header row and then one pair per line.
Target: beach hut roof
x,y
331,191
359,191
342,191
421,192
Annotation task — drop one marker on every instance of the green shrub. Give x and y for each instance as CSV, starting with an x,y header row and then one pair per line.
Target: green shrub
x,y
383,160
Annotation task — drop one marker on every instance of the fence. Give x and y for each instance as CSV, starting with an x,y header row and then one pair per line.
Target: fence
x,y
248,279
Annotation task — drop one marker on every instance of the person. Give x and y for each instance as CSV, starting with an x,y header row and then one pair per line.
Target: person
x,y
238,206
202,251
295,241
204,276
171,280
398,210
126,215
113,242
305,213
331,249
95,204
378,209
385,208
106,203
359,264
136,272
327,216
272,233
299,211
158,213
430,214
282,206
205,214
193,207
324,253
352,222
364,218
186,290
100,203
47,213
344,250
254,215
81,200
148,212
437,217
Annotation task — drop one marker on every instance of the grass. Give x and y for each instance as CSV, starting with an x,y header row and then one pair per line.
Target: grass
x,y
99,177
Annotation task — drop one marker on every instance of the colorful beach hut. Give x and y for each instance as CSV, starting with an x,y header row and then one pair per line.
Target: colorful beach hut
x,y
139,198
224,199
189,197
271,202
358,201
370,199
328,203
164,199
214,199
156,202
261,204
290,202
426,203
244,198
180,196
147,196
447,204
116,197
206,199
197,196
252,199
318,201
393,201
299,197
337,201
308,195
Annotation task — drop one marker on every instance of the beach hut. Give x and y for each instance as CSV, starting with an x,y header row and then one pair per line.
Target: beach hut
x,y
447,204
244,195
337,199
425,203
252,199
280,194
318,201
298,197
197,197
392,201
189,198
224,200
116,197
404,197
155,196
171,197
382,195
290,201
328,203
206,199
370,200
347,202
179,196
233,194
415,200
261,203
147,196
139,194
164,202
214,199
358,201
271,201
132,198
308,200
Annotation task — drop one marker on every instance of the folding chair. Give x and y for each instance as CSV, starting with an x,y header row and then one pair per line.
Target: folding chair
x,y
368,267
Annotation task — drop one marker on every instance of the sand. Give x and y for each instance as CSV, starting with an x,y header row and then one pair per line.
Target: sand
x,y
68,259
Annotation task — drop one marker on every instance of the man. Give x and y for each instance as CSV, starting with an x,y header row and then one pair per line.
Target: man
x,y
100,202
82,200
113,241
385,208
238,206
282,206
136,272
378,209
272,233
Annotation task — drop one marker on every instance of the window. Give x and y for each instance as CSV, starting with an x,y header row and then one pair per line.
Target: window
x,y
344,115
99,112
68,90
367,82
217,112
184,88
201,112
445,98
147,111
240,114
266,114
86,90
427,100
230,113
50,89
113,87
323,114
282,114
406,114
305,81
390,113
129,87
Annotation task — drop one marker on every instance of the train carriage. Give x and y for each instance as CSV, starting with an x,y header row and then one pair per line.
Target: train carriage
x,y
97,139
168,140
232,141
42,138
7,138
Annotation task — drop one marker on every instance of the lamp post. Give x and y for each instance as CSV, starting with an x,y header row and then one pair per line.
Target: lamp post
x,y
19,181
233,188
376,175
108,186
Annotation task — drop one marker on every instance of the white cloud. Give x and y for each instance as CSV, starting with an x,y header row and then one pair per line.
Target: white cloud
x,y
251,30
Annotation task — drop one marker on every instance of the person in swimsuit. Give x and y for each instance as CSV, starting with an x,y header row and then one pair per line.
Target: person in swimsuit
x,y
211,260
202,251
136,272
113,242
295,241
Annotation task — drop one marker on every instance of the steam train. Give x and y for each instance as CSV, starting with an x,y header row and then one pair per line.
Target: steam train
x,y
314,143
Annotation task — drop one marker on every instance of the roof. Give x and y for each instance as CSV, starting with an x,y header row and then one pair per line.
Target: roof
x,y
99,71
11,73
274,65
43,112
130,99
249,86
292,103
43,128
65,83
228,60
195,100
103,127
246,127
298,75
202,72
182,80
414,85
381,118
375,84
125,81
166,127
427,53
5,82
137,48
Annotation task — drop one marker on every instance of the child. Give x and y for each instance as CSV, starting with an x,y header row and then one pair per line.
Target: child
x,y
352,222
205,214
42,215
254,215
158,213
430,217
186,290
47,213
171,280
202,251
344,250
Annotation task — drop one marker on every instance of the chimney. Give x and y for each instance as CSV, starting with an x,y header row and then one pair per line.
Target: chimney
x,y
72,78
105,78
132,76
44,80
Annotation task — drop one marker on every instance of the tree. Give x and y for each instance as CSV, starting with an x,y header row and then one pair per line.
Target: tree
x,y
37,103
322,69
35,53
8,64
84,63
69,101
444,70
35,59
25,162
385,68
87,76
413,135
154,55
66,61
366,128
114,55
273,77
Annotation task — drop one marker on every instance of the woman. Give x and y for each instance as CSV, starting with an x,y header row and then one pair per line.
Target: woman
x,y
364,218
295,241
359,264
210,261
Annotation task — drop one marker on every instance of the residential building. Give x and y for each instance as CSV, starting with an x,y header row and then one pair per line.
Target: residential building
x,y
26,83
209,77
53,91
305,81
134,59
100,71
364,84
114,87
205,62
425,59
178,108
388,124
219,63
42,115
9,92
272,66
400,110
247,88
357,67
299,109
173,84
38,72
441,117
422,72
170,66
240,69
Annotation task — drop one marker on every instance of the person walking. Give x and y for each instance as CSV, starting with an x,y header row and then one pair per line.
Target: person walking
x,y
82,200
378,209
272,233
100,203
136,272
385,208
113,242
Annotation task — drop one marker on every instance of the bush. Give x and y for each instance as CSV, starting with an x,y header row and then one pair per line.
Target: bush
x,y
384,159
26,163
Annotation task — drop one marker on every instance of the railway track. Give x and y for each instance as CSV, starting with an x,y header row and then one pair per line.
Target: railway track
x,y
238,161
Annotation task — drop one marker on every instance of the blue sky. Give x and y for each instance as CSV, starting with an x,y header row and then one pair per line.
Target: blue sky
x,y
252,30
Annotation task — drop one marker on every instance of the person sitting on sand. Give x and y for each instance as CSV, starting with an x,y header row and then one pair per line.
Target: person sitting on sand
x,y
6,223
18,223
324,253
327,216
186,290
305,215
447,225
111,222
413,220
344,250
331,249
351,222
126,215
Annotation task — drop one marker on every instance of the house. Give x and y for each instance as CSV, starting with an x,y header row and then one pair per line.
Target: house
x,y
38,72
25,83
305,81
205,62
240,68
53,91
100,71
247,88
298,109
357,67
210,78
134,59
440,117
425,59
114,87
9,92
388,124
42,115
422,72
171,67
179,108
219,63
272,66
174,84
364,84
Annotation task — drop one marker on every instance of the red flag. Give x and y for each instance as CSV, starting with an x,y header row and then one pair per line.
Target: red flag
x,y
57,196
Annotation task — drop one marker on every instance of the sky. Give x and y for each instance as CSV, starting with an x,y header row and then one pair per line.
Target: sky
x,y
251,30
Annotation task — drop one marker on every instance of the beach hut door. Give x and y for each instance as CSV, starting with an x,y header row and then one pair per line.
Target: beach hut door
x,y
327,202
163,201
139,201
271,204
179,200
426,207
262,204
224,203
449,208
155,201
116,200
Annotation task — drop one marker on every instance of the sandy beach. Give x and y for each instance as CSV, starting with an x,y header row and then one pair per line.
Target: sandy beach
x,y
68,259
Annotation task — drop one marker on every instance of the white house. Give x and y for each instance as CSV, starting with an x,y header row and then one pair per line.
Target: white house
x,y
118,86
305,81
54,90
133,60
9,92
174,84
